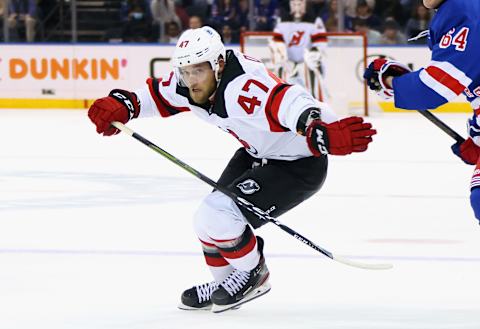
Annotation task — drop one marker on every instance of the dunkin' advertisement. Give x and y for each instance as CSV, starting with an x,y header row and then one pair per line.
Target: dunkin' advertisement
x,y
66,76
73,76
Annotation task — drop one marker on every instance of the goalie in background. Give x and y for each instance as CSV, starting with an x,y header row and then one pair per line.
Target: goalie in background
x,y
298,49
454,39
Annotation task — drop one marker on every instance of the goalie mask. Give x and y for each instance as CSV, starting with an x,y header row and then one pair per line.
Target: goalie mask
x,y
298,8
197,46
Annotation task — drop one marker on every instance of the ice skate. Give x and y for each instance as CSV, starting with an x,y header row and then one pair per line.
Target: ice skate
x,y
198,297
241,287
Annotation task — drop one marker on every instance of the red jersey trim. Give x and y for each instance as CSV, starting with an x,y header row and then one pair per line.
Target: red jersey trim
x,y
319,37
164,107
273,107
278,37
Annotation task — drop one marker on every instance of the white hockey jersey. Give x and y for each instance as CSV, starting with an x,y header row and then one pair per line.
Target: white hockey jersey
x,y
250,103
299,36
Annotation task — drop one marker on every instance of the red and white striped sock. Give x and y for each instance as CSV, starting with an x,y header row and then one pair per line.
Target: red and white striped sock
x,y
240,252
217,264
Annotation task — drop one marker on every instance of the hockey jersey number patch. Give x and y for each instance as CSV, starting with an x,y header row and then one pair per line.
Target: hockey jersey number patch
x,y
250,103
459,40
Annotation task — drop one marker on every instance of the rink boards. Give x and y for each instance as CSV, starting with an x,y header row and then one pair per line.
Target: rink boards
x,y
49,76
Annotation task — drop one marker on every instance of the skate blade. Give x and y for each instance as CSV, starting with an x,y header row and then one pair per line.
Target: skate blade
x,y
189,308
260,291
206,308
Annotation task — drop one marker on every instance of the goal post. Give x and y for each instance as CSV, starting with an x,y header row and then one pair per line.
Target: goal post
x,y
345,61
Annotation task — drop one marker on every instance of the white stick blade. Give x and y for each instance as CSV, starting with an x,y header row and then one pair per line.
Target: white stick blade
x,y
362,265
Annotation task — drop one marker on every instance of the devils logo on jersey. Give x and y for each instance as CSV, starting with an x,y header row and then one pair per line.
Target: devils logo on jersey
x,y
248,186
297,37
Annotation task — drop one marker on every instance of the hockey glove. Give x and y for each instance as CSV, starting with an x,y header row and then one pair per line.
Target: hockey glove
x,y
120,105
377,72
340,137
473,127
468,151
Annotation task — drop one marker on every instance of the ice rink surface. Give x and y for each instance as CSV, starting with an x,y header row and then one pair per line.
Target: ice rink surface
x,y
95,232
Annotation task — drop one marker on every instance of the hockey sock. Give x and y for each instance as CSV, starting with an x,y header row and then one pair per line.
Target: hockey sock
x,y
219,267
240,252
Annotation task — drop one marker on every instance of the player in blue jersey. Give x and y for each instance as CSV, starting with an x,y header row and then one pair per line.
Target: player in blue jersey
x,y
454,39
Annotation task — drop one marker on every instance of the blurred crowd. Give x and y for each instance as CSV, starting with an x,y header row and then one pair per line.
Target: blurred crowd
x,y
384,21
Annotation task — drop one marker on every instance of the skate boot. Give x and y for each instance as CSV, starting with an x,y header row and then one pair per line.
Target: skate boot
x,y
241,286
198,297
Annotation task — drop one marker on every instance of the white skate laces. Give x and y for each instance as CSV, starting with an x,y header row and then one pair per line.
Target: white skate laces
x,y
204,291
235,281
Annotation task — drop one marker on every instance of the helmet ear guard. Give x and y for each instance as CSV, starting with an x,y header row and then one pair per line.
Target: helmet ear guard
x,y
197,46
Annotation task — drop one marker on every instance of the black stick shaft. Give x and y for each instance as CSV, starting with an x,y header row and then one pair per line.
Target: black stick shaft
x,y
245,203
440,124
240,201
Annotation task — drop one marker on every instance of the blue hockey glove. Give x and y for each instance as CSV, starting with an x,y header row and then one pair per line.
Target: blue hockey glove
x,y
473,127
378,71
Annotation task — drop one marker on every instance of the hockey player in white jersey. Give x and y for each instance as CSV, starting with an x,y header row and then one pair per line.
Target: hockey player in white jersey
x,y
298,49
286,135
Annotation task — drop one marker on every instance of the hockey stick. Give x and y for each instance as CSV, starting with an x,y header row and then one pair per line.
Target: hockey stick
x,y
246,204
440,124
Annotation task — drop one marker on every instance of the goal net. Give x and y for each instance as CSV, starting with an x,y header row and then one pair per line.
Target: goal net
x,y
344,62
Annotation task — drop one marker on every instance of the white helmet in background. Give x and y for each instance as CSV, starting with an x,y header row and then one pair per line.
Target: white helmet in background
x,y
197,46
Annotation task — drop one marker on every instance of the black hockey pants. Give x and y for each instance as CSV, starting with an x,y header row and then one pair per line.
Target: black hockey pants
x,y
276,185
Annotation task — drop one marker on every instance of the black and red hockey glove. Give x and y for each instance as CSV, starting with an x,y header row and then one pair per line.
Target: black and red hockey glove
x,y
340,137
119,105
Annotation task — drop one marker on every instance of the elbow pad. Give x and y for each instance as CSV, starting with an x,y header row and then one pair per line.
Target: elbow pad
x,y
306,118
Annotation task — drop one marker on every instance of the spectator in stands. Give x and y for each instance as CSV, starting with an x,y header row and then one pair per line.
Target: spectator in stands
x,y
419,22
318,7
163,12
228,35
200,8
350,7
407,9
22,12
373,36
223,12
265,14
331,25
365,12
391,33
242,19
127,7
331,18
195,22
172,33
390,9
138,22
